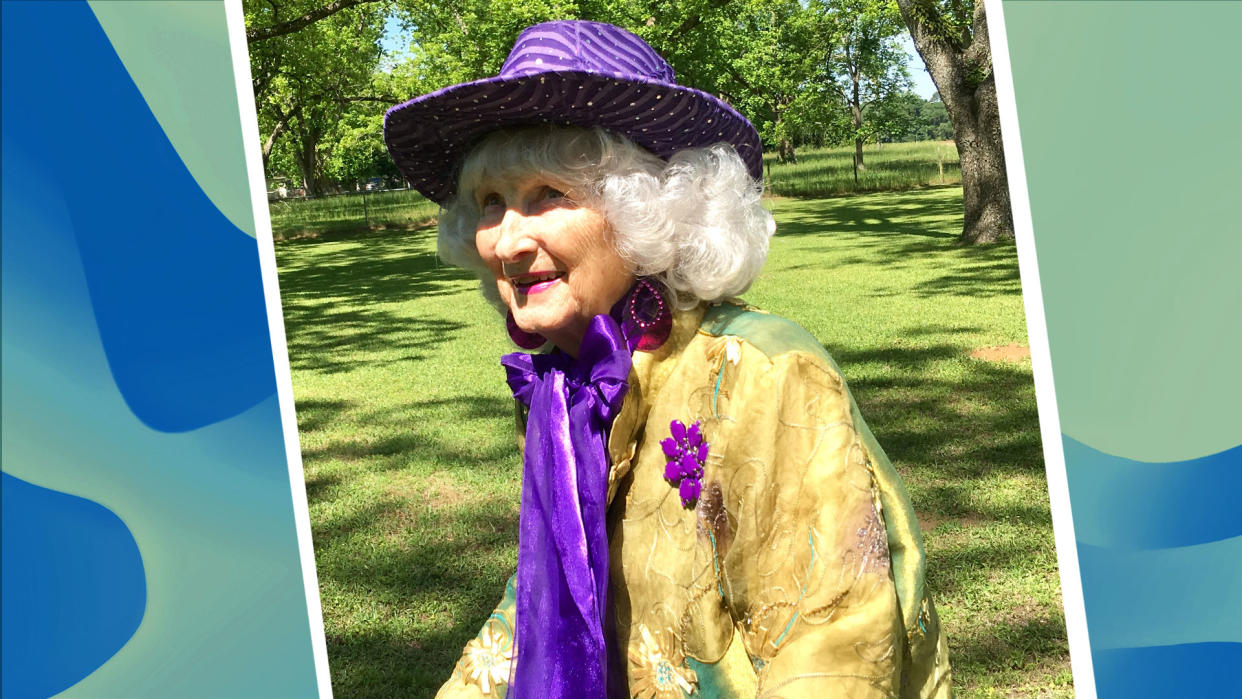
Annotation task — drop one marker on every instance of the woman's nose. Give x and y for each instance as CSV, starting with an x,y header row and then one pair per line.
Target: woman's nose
x,y
515,240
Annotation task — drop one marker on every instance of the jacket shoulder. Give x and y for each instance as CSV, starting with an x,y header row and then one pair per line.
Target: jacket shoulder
x,y
770,334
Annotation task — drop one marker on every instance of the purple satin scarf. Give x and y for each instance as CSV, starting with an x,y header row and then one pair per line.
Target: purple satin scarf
x,y
565,633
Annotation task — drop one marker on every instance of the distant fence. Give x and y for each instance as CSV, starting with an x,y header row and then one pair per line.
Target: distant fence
x,y
819,172
394,208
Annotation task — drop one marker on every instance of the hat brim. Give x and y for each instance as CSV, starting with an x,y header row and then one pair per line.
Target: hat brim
x,y
429,135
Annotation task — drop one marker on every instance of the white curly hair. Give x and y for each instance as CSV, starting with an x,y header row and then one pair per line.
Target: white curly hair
x,y
695,223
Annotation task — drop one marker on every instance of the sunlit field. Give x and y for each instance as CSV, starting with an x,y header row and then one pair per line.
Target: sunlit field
x,y
350,213
818,172
886,167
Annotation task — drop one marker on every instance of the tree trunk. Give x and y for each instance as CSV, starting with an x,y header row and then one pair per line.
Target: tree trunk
x,y
961,68
857,116
308,164
985,186
784,145
271,140
785,150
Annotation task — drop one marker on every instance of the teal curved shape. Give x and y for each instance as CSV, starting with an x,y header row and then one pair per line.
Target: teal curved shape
x,y
176,289
1121,503
186,78
209,506
1162,597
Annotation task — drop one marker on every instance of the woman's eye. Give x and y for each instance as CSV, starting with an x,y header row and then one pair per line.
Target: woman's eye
x,y
491,200
551,193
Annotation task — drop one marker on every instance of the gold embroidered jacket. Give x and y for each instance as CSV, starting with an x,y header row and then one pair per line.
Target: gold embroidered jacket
x,y
799,573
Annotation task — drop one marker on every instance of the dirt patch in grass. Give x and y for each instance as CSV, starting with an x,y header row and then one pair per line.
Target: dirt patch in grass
x,y
1003,353
441,492
929,521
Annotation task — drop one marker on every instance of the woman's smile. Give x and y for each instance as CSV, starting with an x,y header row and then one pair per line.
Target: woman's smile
x,y
552,255
535,283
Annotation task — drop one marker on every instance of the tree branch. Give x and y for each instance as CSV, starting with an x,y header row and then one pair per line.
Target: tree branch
x,y
694,20
271,139
382,99
980,47
738,77
280,29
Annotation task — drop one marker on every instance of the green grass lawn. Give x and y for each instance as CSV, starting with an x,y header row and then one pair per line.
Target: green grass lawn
x,y
413,475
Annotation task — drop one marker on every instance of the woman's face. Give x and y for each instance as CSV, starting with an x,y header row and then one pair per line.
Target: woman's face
x,y
553,258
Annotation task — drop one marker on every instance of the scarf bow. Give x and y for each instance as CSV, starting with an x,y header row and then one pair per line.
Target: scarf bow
x,y
564,614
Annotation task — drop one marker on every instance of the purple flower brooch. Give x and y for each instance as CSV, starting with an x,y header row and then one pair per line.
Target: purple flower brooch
x,y
687,453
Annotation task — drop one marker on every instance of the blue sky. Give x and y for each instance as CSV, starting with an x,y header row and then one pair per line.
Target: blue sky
x,y
923,85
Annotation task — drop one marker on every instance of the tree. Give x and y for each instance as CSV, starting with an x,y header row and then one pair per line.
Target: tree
x,y
764,57
952,38
865,64
897,118
307,79
256,34
773,58
469,39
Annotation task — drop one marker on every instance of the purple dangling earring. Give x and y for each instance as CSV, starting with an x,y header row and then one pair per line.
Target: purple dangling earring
x,y
646,318
521,338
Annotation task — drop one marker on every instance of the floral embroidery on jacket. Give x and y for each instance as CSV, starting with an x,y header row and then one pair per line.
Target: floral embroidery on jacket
x,y
657,675
488,657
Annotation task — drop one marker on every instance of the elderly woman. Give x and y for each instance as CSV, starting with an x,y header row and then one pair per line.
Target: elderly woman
x,y
703,510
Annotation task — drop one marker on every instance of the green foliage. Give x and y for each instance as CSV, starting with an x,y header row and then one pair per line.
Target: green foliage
x,y
468,39
357,152
311,87
948,21
978,73
907,117
790,66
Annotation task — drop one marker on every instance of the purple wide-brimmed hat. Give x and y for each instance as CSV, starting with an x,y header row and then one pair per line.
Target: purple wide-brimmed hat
x,y
567,73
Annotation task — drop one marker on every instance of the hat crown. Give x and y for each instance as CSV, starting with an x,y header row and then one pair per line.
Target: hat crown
x,y
589,47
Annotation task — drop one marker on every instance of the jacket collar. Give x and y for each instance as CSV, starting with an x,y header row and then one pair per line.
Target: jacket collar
x,y
648,375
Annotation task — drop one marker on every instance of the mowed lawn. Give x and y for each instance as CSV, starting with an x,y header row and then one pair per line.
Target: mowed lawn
x,y
413,475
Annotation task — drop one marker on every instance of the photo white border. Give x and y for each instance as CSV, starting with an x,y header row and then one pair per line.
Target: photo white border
x,y
235,18
1041,361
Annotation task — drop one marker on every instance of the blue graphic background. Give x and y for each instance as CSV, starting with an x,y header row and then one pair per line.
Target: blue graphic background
x,y
149,539
69,564
1130,118
149,547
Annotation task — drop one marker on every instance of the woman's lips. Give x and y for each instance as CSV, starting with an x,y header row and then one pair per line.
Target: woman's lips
x,y
535,284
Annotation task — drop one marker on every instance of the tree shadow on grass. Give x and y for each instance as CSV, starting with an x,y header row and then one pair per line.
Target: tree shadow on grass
x,y
375,268
894,230
340,302
888,215
1022,642
420,432
426,555
967,427
327,340
435,577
